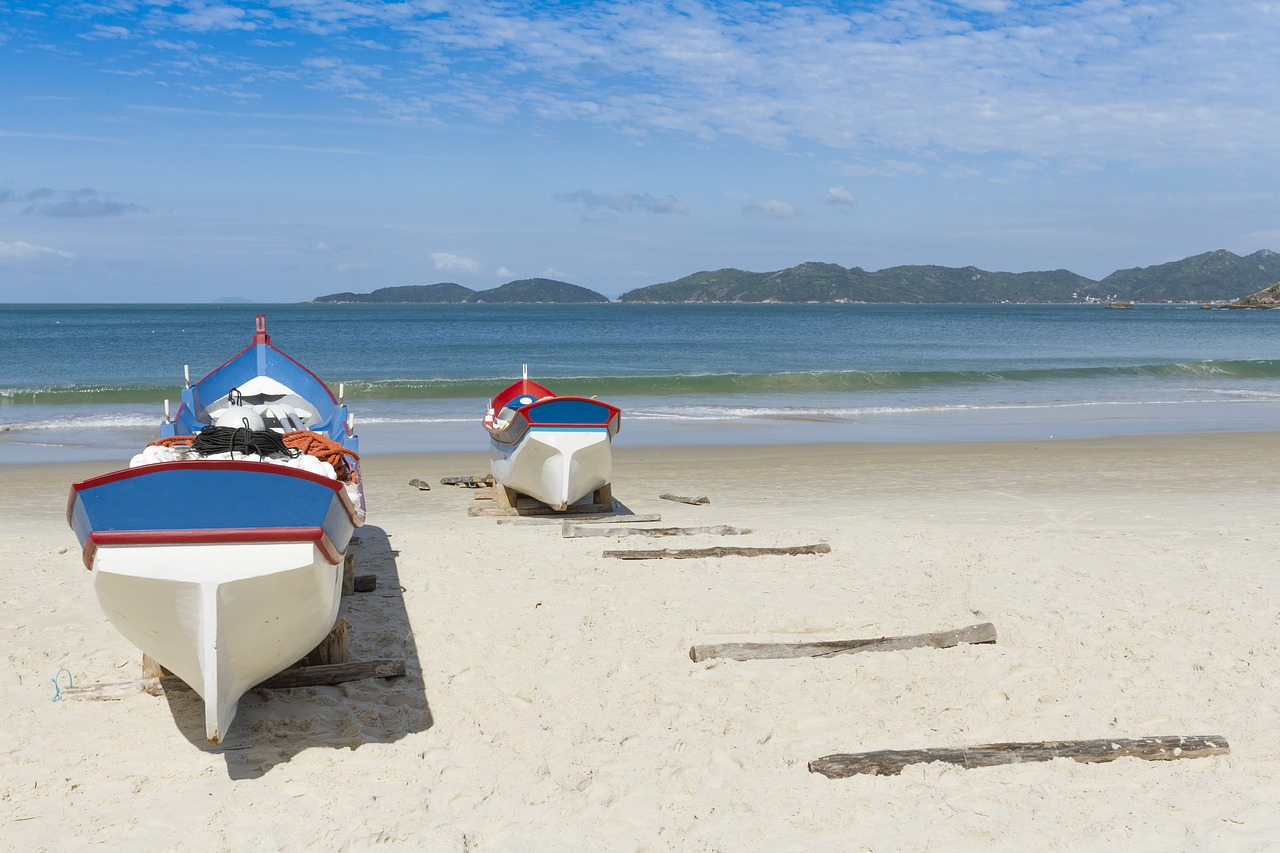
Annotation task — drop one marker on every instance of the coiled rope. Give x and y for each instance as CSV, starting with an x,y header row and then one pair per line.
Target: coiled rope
x,y
214,439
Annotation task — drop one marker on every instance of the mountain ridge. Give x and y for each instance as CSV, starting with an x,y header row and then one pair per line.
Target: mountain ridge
x,y
1215,276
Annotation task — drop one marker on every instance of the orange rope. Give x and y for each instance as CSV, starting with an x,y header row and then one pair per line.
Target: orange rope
x,y
326,450
172,441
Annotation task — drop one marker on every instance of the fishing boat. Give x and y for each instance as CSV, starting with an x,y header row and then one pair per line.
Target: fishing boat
x,y
219,551
554,449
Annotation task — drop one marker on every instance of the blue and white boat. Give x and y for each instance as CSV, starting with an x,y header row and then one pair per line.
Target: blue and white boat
x,y
219,551
554,449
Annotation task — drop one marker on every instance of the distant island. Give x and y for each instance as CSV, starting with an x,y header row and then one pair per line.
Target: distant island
x,y
1212,277
529,290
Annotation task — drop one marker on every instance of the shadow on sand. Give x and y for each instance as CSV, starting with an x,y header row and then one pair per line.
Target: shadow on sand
x,y
272,726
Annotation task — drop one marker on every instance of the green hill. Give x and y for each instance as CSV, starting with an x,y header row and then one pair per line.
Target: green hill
x,y
1218,276
525,290
817,282
538,290
1200,278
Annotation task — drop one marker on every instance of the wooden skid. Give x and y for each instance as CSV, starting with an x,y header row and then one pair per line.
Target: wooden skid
x,y
302,676
973,634
596,518
718,551
572,531
534,508
890,762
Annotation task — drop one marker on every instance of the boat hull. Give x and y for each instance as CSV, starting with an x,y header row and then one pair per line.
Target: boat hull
x,y
225,573
555,466
222,617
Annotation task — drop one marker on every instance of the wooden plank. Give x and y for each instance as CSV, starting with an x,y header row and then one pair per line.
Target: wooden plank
x,y
585,519
718,551
349,575
540,509
574,532
334,673
302,676
973,634
889,762
504,498
151,668
701,500
334,648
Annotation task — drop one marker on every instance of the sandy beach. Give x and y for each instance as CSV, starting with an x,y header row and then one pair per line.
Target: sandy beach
x,y
551,703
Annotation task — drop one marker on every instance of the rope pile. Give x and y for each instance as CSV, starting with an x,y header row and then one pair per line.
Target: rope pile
x,y
214,439
326,450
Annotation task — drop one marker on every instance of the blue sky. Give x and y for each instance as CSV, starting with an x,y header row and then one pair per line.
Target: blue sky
x,y
282,149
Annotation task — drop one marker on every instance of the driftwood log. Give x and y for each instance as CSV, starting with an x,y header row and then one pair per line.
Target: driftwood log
x,y
718,551
586,519
571,531
701,500
984,633
302,676
890,762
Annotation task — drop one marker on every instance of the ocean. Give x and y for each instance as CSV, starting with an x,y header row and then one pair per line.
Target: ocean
x,y
90,381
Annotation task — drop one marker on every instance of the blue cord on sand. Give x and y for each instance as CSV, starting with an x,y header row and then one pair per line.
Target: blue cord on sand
x,y
57,689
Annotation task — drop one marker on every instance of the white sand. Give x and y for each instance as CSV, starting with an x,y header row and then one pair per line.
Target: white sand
x,y
551,703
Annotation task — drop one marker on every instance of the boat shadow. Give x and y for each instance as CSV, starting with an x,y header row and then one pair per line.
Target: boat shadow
x,y
274,725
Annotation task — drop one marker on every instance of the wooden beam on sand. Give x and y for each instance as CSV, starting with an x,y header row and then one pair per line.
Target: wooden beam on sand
x,y
718,551
974,634
492,511
302,676
586,519
889,762
572,531
701,500
334,673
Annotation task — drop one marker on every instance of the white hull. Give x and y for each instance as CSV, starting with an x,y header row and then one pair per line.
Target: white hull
x,y
222,617
555,466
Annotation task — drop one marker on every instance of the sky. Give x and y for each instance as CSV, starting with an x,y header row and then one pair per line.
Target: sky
x,y
278,150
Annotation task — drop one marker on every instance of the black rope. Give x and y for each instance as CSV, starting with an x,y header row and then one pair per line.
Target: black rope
x,y
219,439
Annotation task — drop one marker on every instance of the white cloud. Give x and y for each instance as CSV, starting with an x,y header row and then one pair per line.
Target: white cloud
x,y
1114,81
771,209
23,251
78,204
205,17
455,263
838,195
623,202
100,31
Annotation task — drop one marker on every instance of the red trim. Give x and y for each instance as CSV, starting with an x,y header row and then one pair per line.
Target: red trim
x,y
260,335
314,535
261,331
523,386
222,465
307,371
205,465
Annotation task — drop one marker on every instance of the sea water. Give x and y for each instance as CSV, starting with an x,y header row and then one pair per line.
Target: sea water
x,y
90,381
